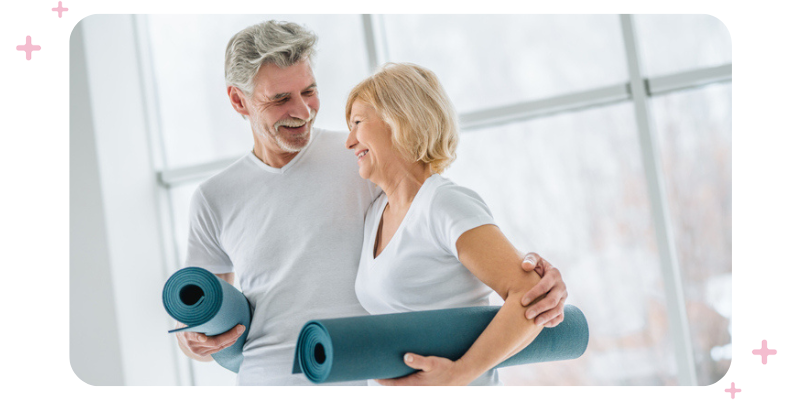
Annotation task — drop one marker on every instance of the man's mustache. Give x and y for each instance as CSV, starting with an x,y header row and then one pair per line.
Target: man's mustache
x,y
295,122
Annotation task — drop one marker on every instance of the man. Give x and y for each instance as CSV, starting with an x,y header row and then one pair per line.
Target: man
x,y
290,215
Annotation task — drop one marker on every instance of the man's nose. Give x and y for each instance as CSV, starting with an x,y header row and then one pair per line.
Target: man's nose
x,y
300,108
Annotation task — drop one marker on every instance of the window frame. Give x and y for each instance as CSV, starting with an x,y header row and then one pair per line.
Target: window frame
x,y
637,90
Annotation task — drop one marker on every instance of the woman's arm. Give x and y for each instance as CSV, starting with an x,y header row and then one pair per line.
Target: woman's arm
x,y
487,253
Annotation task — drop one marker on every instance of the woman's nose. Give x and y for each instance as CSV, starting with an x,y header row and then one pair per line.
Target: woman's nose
x,y
351,139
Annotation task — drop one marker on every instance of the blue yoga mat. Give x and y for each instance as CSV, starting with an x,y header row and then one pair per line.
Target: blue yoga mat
x,y
209,305
372,347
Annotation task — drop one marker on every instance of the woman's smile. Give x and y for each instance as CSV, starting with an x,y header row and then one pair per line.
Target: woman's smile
x,y
361,154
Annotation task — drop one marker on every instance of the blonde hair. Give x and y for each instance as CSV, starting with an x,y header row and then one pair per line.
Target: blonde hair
x,y
410,99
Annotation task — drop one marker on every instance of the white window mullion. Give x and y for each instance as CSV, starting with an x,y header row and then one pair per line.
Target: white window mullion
x,y
676,308
375,40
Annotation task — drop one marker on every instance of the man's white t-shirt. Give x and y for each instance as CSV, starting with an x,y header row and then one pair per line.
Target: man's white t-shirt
x,y
419,268
292,236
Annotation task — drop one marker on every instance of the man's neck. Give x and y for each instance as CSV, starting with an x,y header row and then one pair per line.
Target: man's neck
x,y
275,158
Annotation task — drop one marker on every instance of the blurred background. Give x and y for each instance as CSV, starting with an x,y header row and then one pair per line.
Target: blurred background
x,y
602,142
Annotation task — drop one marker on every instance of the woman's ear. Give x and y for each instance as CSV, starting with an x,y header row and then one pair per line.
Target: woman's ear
x,y
238,100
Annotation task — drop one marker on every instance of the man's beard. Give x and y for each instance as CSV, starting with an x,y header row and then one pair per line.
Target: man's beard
x,y
286,141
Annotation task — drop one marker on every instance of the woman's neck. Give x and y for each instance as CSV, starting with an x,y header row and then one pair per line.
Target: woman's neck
x,y
403,183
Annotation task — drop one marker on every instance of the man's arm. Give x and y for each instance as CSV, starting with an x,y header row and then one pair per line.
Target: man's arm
x,y
200,347
548,311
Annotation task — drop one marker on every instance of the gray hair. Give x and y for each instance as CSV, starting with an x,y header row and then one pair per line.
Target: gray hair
x,y
272,42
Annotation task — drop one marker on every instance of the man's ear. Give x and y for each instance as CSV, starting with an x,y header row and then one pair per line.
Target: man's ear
x,y
238,100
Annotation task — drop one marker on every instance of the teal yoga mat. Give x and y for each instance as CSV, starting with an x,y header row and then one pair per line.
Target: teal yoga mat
x,y
372,347
209,305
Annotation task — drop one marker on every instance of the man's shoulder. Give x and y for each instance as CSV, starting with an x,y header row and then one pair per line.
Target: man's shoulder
x,y
331,148
223,180
330,137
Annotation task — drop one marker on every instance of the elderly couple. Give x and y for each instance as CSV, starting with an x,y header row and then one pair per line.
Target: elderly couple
x,y
321,224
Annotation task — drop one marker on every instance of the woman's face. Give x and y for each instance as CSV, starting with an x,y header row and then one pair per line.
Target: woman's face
x,y
371,141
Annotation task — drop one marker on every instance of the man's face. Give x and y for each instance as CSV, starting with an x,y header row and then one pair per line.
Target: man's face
x,y
283,106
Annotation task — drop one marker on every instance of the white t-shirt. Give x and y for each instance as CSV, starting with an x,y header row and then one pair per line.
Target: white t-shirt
x,y
292,237
419,268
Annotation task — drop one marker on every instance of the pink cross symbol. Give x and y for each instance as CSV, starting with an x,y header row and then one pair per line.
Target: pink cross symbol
x,y
764,352
60,9
733,390
28,48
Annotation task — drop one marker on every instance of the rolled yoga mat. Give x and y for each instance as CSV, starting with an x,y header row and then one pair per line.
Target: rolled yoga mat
x,y
209,305
372,347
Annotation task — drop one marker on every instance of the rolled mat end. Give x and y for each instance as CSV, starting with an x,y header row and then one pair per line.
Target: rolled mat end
x,y
209,305
372,347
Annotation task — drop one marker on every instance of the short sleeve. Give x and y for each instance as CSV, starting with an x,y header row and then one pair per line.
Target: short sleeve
x,y
455,210
204,249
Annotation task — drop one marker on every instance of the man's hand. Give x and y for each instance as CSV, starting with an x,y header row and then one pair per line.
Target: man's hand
x,y
202,347
433,371
548,311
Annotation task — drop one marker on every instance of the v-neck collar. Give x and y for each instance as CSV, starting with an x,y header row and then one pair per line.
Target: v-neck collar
x,y
288,166
412,208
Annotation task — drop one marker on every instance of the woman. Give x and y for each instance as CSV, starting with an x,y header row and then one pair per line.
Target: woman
x,y
428,243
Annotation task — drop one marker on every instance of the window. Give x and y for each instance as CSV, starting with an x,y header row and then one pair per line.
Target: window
x,y
572,188
486,61
679,43
694,132
188,53
568,182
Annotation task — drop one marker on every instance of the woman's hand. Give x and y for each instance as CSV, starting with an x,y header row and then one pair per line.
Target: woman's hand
x,y
548,311
433,371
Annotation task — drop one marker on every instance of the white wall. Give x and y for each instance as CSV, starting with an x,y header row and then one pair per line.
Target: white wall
x,y
116,231
94,339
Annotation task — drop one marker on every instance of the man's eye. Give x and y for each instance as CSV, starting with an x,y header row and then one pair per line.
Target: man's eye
x,y
309,93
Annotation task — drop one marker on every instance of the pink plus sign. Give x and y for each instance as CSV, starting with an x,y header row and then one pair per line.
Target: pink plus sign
x,y
28,48
764,352
60,9
733,390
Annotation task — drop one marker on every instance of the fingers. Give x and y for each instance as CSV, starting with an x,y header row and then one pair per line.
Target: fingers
x,y
543,287
555,321
232,334
530,261
414,361
418,362
196,337
423,364
534,262
557,294
204,350
551,314
203,345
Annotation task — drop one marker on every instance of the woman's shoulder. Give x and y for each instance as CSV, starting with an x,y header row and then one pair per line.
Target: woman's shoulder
x,y
445,193
453,210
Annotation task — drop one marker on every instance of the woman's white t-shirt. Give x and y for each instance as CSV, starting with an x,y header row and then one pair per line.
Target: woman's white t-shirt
x,y
419,267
